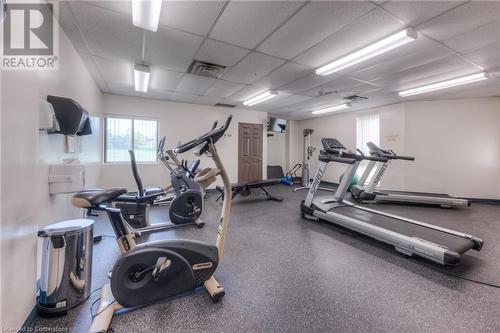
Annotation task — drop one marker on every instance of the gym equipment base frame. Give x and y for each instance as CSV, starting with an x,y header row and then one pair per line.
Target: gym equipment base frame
x,y
308,152
245,189
151,271
410,237
369,193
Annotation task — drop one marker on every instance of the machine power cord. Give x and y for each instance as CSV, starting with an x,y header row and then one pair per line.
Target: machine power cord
x,y
470,280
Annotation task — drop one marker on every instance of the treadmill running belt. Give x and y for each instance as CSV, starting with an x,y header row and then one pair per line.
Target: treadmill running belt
x,y
424,194
452,242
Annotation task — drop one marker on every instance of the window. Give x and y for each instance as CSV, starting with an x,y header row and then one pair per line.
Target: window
x,y
367,130
123,134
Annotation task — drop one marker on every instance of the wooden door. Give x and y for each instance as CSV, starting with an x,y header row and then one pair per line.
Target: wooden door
x,y
249,152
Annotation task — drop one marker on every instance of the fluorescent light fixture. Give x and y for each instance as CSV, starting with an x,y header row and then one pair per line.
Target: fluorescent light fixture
x,y
382,46
141,77
261,98
329,109
444,84
146,13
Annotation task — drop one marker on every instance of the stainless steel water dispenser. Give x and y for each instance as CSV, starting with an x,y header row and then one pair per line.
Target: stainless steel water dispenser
x,y
66,269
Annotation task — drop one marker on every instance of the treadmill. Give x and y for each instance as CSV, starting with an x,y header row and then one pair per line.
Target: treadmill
x,y
410,237
369,194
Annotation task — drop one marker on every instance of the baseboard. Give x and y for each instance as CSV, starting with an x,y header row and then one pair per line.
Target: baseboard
x,y
28,323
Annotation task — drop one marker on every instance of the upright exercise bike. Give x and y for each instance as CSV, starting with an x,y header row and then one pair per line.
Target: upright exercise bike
x,y
151,271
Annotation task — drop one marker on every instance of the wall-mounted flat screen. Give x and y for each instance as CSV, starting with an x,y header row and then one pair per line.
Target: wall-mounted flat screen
x,y
276,125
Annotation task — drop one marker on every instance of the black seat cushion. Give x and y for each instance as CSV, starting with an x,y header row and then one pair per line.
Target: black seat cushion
x,y
153,190
88,198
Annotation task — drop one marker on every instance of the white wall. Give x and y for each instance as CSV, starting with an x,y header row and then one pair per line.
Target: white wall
x,y
178,122
457,147
456,144
26,154
276,150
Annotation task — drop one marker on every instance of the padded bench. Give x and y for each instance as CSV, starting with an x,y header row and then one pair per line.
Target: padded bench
x,y
245,189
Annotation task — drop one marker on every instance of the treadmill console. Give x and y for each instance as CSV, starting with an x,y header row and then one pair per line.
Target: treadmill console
x,y
332,145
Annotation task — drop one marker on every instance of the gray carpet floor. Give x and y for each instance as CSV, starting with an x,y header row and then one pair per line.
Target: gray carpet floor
x,y
285,274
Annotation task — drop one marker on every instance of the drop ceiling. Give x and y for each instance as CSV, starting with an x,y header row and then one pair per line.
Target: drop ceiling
x,y
278,44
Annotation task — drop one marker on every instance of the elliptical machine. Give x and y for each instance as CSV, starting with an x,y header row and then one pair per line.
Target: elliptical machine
x,y
151,271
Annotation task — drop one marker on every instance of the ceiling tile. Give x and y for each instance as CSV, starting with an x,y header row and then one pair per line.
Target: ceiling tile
x,y
247,23
307,82
159,94
488,57
115,71
195,84
122,7
459,20
288,100
416,12
223,89
182,98
207,100
245,93
191,16
88,61
313,23
417,53
108,34
69,26
220,53
122,89
490,87
283,75
477,38
336,86
368,29
171,48
163,79
443,69
252,68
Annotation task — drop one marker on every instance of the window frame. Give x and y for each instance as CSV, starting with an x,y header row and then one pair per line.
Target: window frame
x,y
132,118
361,168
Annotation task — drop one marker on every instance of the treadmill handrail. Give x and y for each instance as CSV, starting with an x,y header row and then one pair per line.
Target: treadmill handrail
x,y
478,242
388,154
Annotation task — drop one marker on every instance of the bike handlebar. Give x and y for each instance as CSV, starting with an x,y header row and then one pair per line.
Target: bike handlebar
x,y
213,136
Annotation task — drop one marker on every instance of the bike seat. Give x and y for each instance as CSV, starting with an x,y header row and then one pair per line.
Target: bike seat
x,y
153,190
89,198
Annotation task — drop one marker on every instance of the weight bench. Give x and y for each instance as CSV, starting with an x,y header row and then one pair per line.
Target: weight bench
x,y
245,189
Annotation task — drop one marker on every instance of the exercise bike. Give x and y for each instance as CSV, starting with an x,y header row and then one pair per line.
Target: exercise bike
x,y
151,271
184,197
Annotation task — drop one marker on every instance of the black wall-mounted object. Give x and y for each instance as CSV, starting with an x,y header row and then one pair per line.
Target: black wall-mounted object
x,y
276,125
72,118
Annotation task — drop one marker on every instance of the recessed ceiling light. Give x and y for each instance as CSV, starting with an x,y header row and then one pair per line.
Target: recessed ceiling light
x,y
261,98
141,77
444,84
146,14
382,46
334,108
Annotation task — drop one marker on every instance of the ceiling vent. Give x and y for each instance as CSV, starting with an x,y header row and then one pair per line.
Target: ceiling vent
x,y
206,69
324,93
355,98
225,105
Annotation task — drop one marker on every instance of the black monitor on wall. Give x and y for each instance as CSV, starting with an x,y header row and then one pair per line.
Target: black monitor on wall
x,y
276,125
